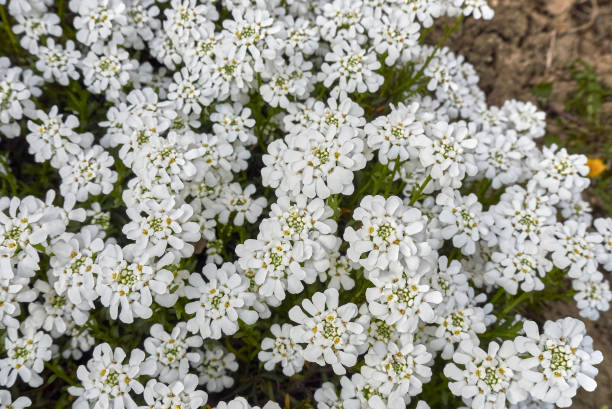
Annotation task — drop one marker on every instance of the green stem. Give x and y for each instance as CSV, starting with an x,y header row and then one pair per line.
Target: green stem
x,y
417,194
514,303
395,170
333,201
60,9
497,296
483,186
379,173
60,374
7,28
235,351
10,178
363,188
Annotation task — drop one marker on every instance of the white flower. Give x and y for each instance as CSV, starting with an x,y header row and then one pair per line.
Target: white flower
x,y
7,402
404,367
107,71
18,8
342,19
385,244
189,92
395,34
339,111
178,394
97,20
12,292
532,403
524,117
220,301
26,355
233,122
486,379
563,357
262,303
80,341
603,251
330,333
283,350
277,263
576,209
56,312
167,161
592,295
306,222
352,66
397,134
214,251
54,138
449,154
176,289
327,397
95,216
33,26
574,247
300,35
523,214
499,156
74,265
16,89
362,392
518,263
216,362
129,285
205,45
461,323
165,51
451,281
253,31
238,203
403,302
241,403
476,8
286,80
26,225
315,164
88,173
218,160
155,225
141,24
170,351
463,220
184,17
377,330
231,73
107,382
338,274
560,173
133,137
204,211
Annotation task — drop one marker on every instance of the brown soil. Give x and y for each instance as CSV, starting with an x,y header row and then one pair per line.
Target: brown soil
x,y
534,41
530,42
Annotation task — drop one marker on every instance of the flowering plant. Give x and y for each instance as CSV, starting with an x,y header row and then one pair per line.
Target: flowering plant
x,y
280,203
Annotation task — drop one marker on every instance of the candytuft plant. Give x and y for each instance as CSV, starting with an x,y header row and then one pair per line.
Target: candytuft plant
x,y
243,204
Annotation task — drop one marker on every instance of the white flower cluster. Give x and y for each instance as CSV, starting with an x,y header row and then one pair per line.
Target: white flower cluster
x,y
349,197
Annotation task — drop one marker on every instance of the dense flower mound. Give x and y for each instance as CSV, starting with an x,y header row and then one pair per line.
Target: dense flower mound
x,y
241,204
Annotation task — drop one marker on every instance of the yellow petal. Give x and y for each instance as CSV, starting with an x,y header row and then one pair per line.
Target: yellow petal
x,y
596,167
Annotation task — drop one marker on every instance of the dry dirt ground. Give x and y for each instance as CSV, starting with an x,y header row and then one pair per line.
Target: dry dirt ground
x,y
530,42
534,41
